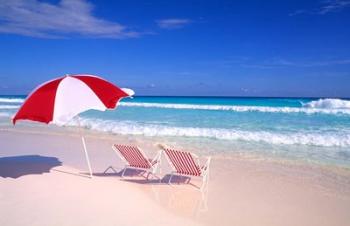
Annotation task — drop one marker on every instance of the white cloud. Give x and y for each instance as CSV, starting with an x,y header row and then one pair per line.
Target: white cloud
x,y
329,6
173,23
333,6
68,17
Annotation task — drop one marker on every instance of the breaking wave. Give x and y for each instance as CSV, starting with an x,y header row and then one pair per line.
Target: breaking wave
x,y
11,100
324,139
335,106
328,104
9,106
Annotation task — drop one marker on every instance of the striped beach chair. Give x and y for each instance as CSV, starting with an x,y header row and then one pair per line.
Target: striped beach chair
x,y
135,158
187,164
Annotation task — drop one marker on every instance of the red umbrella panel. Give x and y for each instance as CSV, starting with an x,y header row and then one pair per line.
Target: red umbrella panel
x,y
61,99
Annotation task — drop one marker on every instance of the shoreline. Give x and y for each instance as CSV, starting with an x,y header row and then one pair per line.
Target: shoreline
x,y
152,141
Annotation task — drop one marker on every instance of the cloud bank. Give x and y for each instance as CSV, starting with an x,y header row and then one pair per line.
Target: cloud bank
x,y
68,17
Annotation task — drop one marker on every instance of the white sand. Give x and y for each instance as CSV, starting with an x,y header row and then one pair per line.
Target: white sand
x,y
241,191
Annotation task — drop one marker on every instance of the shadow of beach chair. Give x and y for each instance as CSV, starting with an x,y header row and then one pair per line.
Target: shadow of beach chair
x,y
135,158
187,164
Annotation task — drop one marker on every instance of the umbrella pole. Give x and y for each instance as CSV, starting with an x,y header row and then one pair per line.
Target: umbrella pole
x,y
86,156
85,150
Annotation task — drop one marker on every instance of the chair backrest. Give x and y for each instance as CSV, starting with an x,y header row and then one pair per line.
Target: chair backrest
x,y
133,156
183,162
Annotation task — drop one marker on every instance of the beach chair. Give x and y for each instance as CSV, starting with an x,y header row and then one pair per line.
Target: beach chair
x,y
135,158
187,164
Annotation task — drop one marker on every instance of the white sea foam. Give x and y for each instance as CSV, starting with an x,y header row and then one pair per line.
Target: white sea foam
x,y
325,139
306,109
329,104
11,100
9,106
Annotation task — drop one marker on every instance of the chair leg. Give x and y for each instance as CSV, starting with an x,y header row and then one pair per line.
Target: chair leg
x,y
123,172
204,182
171,176
154,172
148,173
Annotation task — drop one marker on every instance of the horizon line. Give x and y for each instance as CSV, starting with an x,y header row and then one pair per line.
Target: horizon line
x,y
218,96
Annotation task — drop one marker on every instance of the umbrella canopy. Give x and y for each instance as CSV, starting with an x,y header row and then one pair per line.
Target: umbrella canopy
x,y
59,100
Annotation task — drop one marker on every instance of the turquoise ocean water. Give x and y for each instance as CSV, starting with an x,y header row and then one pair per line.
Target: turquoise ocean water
x,y
316,130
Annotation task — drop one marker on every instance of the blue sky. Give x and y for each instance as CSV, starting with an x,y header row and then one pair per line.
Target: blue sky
x,y
228,48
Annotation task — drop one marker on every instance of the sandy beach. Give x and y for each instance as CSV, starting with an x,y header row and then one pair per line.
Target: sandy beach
x,y
249,99
45,183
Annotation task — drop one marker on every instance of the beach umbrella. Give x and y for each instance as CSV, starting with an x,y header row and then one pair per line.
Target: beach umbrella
x,y
59,100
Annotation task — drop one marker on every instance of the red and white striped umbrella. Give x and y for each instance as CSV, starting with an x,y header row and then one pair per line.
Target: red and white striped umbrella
x,y
59,100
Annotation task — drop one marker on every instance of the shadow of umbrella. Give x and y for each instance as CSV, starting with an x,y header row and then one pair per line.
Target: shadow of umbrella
x,y
17,166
